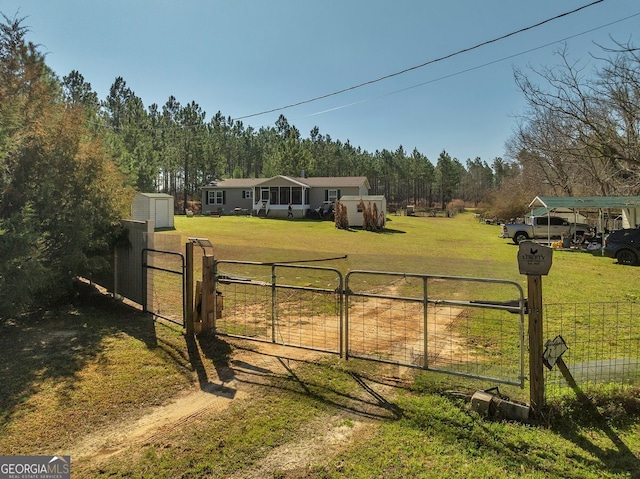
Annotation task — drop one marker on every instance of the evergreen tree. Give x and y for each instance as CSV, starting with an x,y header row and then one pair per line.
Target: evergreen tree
x,y
61,197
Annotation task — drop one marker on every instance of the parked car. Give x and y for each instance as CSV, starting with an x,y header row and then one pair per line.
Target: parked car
x,y
623,245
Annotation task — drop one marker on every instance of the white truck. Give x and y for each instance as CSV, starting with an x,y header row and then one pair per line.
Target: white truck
x,y
538,227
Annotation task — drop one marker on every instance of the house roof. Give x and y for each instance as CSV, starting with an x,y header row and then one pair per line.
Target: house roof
x,y
281,178
156,195
234,183
312,182
335,181
581,202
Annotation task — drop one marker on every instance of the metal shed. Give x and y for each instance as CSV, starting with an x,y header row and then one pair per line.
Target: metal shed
x,y
354,210
157,207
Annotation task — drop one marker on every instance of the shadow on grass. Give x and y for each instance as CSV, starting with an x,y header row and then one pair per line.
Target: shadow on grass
x,y
218,353
583,417
345,390
57,343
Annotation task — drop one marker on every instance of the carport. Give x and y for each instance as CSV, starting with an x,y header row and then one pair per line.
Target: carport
x,y
628,205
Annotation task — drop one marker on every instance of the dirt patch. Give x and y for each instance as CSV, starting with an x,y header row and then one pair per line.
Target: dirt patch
x,y
155,424
322,439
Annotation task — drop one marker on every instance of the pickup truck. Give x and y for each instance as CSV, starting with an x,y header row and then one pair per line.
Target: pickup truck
x,y
544,227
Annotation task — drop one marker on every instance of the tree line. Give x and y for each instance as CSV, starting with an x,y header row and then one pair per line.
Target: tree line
x,y
173,149
578,136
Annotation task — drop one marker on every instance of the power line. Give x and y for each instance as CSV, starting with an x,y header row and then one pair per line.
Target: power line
x,y
422,65
477,67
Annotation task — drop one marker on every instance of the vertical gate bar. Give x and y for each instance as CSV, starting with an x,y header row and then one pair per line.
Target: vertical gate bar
x,y
215,296
340,312
184,291
188,293
346,316
144,280
274,311
425,307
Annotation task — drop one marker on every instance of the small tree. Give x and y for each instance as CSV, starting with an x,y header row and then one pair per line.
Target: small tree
x,y
341,217
370,217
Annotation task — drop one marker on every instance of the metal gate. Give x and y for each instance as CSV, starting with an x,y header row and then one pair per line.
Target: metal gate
x,y
470,327
288,304
464,326
164,285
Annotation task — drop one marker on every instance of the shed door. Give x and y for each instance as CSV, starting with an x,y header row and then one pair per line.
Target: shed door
x,y
162,213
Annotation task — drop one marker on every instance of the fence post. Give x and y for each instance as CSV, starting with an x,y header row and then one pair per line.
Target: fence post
x,y
536,375
207,294
188,299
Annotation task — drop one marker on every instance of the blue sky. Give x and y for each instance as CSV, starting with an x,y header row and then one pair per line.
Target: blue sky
x,y
242,57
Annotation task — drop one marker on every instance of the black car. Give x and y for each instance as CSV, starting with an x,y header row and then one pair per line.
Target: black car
x,y
624,245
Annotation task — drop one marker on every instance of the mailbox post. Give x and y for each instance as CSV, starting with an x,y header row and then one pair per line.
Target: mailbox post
x,y
534,260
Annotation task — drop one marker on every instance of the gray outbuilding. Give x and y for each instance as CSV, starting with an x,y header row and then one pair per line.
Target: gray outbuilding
x,y
157,207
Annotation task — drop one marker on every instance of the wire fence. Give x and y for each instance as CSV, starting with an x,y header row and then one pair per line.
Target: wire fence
x,y
603,341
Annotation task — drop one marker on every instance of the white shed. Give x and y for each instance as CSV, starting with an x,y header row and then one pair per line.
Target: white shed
x,y
153,206
354,208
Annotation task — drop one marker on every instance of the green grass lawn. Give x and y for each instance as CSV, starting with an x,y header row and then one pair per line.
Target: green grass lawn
x,y
459,246
93,364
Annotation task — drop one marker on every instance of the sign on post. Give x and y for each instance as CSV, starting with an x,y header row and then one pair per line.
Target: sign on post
x,y
534,259
553,351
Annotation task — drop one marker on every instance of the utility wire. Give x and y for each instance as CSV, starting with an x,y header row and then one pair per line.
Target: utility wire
x,y
171,128
477,67
422,65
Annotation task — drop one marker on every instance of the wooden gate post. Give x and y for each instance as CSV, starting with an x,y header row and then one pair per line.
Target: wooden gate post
x,y
536,372
188,299
534,260
208,325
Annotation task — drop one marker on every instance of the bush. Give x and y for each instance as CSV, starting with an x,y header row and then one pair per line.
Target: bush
x,y
341,217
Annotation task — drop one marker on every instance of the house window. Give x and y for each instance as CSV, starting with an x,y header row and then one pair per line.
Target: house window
x,y
274,193
247,194
285,195
296,195
332,195
215,197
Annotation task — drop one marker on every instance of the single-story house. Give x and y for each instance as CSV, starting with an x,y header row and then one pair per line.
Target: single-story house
x,y
272,196
354,208
153,206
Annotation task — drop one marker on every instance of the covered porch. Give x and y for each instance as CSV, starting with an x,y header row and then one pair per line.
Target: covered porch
x,y
274,196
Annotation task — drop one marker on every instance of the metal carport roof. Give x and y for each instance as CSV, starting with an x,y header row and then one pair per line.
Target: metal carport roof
x,y
581,202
